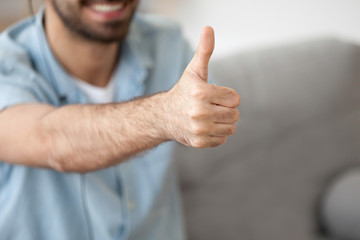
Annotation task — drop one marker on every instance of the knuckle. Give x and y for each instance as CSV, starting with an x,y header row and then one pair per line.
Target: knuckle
x,y
229,131
219,141
198,92
230,115
235,97
217,114
198,143
198,130
194,112
198,112
237,115
231,95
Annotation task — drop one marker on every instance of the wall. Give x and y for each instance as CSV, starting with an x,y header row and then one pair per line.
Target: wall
x,y
244,24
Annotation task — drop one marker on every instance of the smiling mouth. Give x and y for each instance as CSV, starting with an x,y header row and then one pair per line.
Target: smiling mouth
x,y
108,7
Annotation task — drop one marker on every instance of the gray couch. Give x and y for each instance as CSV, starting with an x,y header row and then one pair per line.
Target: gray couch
x,y
299,127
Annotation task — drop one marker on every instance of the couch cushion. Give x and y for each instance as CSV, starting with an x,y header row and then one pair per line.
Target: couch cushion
x,y
300,119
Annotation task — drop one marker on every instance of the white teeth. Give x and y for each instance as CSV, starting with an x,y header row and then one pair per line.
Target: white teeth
x,y
101,7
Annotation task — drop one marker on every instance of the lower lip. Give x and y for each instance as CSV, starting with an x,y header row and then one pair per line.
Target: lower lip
x,y
107,16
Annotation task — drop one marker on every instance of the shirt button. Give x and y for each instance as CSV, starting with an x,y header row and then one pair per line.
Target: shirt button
x,y
131,205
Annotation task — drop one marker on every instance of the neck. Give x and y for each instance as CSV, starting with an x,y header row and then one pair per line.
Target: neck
x,y
87,60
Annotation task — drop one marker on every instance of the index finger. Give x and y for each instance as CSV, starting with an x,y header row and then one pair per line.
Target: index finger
x,y
225,97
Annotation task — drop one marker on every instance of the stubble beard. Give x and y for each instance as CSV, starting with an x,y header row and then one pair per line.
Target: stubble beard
x,y
110,32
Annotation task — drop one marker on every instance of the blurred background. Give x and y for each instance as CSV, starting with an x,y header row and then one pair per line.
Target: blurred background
x,y
242,24
300,117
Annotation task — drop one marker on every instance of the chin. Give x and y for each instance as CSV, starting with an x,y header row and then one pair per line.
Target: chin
x,y
106,33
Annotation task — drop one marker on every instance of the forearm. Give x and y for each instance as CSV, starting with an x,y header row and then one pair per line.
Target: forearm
x,y
81,138
90,137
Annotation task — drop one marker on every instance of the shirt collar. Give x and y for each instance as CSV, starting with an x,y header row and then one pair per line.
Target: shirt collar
x,y
135,40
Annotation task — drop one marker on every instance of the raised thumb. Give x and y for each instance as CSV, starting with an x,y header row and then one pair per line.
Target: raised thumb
x,y
199,63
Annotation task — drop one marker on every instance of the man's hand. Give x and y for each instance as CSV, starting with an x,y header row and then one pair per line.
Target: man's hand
x,y
200,114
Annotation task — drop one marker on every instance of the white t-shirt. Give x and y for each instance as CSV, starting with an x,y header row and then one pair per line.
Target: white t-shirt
x,y
97,95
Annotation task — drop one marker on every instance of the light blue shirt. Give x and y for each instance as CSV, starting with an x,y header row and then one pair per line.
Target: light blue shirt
x,y
135,200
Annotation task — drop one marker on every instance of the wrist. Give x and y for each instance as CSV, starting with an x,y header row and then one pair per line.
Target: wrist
x,y
160,116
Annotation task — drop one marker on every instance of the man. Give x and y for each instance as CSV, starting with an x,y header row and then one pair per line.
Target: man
x,y
82,93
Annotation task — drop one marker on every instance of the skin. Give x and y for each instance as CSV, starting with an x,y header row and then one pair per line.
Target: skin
x,y
194,112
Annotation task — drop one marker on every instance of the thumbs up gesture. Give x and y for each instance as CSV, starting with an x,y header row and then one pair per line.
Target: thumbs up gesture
x,y
201,115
